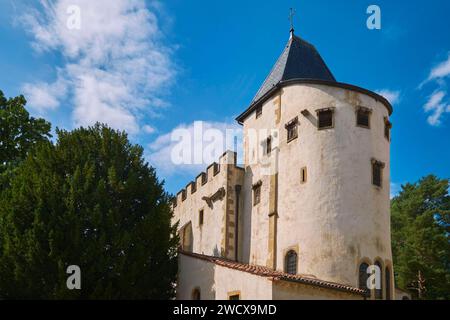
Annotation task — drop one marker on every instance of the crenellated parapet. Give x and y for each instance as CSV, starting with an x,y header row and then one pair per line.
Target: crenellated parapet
x,y
207,209
213,172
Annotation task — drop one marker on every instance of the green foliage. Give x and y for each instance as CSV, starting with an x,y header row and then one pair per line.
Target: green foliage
x,y
92,201
19,133
421,236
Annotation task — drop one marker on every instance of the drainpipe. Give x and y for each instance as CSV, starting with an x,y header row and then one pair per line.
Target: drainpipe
x,y
236,222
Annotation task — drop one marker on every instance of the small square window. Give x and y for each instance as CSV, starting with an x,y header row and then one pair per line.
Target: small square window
x,y
258,112
363,117
292,130
257,193
235,295
377,173
387,129
200,217
325,118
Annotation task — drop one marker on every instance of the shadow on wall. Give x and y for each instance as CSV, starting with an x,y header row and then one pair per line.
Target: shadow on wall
x,y
246,216
204,273
216,252
310,117
209,272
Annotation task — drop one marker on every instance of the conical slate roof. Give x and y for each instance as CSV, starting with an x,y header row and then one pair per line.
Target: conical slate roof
x,y
299,60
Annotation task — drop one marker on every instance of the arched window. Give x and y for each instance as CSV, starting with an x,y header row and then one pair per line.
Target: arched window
x,y
291,262
379,292
363,276
186,237
196,294
388,283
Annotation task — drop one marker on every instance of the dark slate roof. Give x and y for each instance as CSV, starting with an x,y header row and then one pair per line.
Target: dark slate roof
x,y
299,60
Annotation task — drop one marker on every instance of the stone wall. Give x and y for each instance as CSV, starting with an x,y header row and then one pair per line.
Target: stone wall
x,y
216,197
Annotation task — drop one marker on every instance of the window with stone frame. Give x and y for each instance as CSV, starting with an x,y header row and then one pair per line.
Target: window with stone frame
x,y
292,129
363,276
388,283
201,214
303,175
268,146
257,193
234,296
387,129
325,118
186,237
377,173
363,117
259,111
379,291
291,262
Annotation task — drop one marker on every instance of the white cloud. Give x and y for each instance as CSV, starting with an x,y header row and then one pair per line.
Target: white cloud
x,y
391,95
116,69
148,129
435,118
160,154
43,96
442,70
437,107
437,103
434,100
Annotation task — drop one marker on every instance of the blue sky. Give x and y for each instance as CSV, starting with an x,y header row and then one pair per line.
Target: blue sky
x,y
204,60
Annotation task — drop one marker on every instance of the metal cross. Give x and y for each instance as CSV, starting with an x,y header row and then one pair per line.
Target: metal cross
x,y
291,17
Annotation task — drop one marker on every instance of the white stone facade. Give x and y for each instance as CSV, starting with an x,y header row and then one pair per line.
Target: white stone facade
x,y
337,218
317,198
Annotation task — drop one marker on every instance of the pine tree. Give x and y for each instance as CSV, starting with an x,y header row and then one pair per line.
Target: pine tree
x,y
89,200
421,238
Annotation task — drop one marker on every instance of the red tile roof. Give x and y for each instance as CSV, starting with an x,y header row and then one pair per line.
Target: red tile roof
x,y
275,275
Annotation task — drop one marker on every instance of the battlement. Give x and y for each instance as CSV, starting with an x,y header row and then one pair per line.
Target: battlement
x,y
229,158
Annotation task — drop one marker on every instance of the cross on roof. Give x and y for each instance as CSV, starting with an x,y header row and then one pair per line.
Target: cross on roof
x,y
291,18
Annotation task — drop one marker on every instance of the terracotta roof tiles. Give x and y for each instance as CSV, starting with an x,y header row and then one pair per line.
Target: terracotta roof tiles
x,y
275,275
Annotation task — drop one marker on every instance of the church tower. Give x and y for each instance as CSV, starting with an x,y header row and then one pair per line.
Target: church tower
x,y
317,159
308,212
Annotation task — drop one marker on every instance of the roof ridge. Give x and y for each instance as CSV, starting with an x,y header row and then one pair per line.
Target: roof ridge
x,y
291,41
286,47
